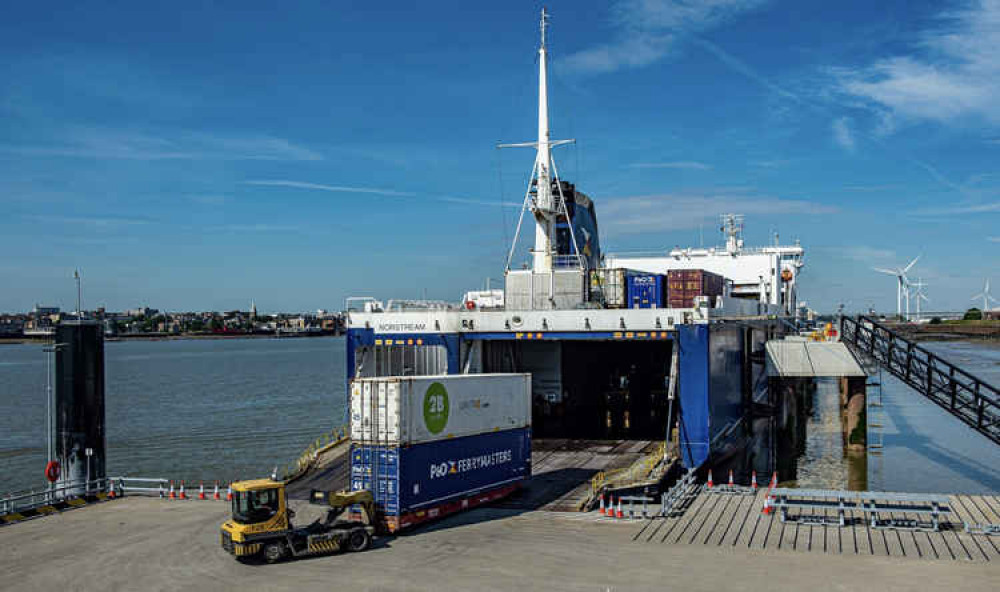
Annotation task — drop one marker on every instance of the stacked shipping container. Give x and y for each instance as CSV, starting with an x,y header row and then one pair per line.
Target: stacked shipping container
x,y
430,445
683,285
647,290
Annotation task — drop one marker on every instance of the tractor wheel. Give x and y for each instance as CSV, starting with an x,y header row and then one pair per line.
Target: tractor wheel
x,y
274,552
359,540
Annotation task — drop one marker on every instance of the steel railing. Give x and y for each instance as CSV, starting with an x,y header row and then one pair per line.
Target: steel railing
x,y
967,397
302,464
27,499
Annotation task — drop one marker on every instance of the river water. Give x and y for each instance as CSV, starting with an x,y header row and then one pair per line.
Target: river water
x,y
925,449
184,409
235,408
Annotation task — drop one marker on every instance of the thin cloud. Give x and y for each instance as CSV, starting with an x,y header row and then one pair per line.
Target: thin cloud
x,y
331,188
993,239
377,191
96,222
954,74
871,188
982,208
659,213
677,164
842,133
102,143
646,30
864,254
741,67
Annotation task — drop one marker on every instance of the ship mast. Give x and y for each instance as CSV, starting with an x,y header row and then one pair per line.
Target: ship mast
x,y
544,209
546,206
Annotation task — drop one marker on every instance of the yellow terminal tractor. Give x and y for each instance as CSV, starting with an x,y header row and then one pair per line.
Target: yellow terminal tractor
x,y
261,523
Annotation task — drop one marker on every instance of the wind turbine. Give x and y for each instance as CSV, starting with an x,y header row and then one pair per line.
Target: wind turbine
x,y
985,295
902,285
919,293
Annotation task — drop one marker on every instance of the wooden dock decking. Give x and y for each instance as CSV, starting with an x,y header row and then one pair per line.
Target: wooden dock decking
x,y
736,521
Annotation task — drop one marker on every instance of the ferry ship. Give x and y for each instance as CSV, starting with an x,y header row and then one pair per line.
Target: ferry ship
x,y
620,347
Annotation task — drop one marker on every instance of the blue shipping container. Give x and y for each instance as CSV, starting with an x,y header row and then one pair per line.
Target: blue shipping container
x,y
404,479
646,291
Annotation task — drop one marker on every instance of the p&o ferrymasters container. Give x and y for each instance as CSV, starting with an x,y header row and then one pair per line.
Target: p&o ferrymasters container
x,y
428,446
403,410
421,482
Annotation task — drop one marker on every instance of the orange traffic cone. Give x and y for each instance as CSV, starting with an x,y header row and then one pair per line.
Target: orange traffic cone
x,y
710,478
215,494
730,477
172,494
229,493
619,513
602,510
201,490
753,480
182,495
767,504
774,481
111,489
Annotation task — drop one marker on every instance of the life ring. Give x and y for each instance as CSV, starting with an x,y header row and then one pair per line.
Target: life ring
x,y
469,304
52,471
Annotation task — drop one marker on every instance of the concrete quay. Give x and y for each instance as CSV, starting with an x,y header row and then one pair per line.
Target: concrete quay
x,y
150,544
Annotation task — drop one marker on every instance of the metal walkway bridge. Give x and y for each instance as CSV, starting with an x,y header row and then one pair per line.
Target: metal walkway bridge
x,y
963,395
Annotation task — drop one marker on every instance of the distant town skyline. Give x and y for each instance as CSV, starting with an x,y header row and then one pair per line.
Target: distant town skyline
x,y
297,155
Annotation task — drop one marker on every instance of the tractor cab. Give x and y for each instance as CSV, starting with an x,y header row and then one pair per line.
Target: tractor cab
x,y
261,523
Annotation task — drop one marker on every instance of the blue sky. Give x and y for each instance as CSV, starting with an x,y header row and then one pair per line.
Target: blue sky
x,y
199,155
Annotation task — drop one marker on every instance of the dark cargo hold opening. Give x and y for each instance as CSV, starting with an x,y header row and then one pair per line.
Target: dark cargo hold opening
x,y
597,390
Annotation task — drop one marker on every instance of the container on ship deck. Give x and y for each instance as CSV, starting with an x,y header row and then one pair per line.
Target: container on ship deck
x,y
609,285
417,409
419,482
683,285
646,290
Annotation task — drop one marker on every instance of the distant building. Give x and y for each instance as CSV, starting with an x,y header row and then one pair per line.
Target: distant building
x,y
991,315
44,311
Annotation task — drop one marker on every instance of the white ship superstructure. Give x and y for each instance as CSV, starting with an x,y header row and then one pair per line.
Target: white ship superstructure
x,y
766,274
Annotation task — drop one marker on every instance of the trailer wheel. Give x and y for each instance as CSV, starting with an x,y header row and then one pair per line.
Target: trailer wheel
x,y
359,540
274,552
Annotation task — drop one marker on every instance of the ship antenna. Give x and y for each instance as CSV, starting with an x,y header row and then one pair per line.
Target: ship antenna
x,y
545,206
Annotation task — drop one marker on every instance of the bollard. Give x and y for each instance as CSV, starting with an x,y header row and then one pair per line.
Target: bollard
x,y
215,494
172,494
201,490
182,495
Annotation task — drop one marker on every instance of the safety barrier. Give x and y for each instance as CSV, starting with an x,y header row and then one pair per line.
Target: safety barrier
x,y
871,503
678,497
731,488
31,503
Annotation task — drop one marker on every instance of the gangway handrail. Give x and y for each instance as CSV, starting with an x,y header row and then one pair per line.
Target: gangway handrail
x,y
966,396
